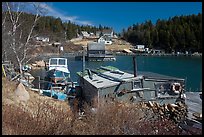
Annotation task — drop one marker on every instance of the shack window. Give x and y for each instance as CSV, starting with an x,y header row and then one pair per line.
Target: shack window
x,y
137,84
152,94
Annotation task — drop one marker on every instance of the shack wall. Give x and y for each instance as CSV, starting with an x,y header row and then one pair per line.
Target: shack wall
x,y
111,93
90,93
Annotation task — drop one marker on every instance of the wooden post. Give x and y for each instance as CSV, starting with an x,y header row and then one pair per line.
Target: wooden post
x,y
135,66
51,90
28,79
39,83
201,86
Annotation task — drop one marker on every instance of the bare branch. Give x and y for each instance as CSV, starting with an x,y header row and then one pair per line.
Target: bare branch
x,y
9,10
19,36
31,31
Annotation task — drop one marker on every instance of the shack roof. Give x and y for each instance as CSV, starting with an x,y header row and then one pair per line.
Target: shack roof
x,y
95,46
107,77
100,82
110,76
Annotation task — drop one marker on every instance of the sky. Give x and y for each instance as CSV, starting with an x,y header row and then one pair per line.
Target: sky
x,y
119,15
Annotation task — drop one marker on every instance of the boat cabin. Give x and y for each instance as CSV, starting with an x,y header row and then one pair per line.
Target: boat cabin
x,y
57,62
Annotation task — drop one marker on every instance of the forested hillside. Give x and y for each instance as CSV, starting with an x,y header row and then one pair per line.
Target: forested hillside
x,y
55,28
179,33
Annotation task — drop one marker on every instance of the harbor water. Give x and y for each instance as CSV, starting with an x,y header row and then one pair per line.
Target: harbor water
x,y
186,67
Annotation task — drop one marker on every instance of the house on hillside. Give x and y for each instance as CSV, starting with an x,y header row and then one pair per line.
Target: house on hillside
x,y
98,34
43,39
85,34
140,47
157,51
91,34
105,32
101,40
105,39
115,36
108,32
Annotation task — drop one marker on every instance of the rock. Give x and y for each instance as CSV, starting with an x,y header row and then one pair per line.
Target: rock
x,y
21,94
40,63
34,65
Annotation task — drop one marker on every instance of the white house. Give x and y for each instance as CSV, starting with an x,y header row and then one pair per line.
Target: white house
x,y
115,36
105,39
147,50
107,32
85,34
140,48
43,39
91,34
101,40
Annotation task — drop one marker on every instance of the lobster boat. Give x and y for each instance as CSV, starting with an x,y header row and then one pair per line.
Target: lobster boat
x,y
58,72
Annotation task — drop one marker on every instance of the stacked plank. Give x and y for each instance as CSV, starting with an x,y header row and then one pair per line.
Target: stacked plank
x,y
177,112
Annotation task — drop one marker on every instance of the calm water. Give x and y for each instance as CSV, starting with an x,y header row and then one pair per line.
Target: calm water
x,y
189,68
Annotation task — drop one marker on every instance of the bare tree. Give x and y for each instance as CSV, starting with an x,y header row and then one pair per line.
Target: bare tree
x,y
17,31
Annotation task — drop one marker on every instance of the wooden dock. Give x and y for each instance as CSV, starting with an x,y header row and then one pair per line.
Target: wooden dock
x,y
194,103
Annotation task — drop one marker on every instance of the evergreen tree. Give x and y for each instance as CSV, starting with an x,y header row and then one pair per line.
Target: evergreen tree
x,y
175,34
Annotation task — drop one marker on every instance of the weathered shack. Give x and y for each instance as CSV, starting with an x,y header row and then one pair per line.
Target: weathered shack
x,y
109,83
96,49
96,52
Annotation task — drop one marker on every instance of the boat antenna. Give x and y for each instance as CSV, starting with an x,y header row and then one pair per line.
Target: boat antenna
x,y
135,66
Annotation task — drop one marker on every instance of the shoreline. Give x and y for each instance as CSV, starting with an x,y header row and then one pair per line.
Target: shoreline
x,y
80,53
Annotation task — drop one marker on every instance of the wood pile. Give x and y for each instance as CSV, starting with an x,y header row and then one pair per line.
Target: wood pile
x,y
177,112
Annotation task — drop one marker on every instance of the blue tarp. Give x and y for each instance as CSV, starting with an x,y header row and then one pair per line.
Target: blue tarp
x,y
56,95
